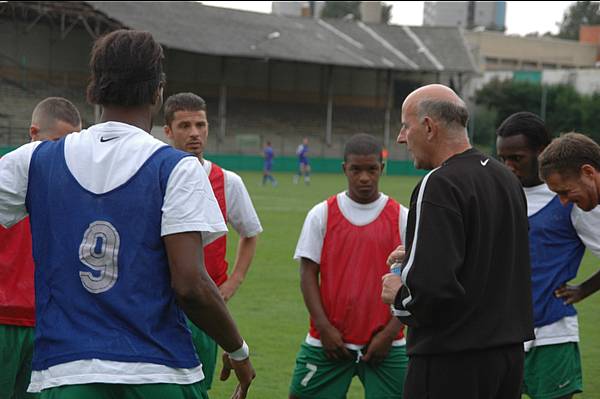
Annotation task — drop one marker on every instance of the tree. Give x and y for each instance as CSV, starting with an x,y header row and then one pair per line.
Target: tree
x,y
566,110
386,13
580,13
341,9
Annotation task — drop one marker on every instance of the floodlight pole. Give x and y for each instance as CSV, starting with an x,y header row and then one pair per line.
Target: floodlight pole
x,y
328,127
388,109
222,102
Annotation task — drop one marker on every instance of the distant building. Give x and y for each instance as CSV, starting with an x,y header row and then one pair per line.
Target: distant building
x,y
494,51
467,14
298,8
590,34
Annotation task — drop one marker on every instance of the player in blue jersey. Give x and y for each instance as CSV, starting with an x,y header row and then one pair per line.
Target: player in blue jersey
x,y
303,165
118,220
558,237
268,155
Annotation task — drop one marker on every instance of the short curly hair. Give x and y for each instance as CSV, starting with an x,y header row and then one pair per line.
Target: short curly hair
x,y
126,68
527,124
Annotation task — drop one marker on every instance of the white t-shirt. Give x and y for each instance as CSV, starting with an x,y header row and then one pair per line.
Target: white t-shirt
x,y
240,211
189,205
587,226
311,239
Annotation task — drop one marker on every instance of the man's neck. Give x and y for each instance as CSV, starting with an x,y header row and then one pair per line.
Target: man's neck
x,y
136,116
447,151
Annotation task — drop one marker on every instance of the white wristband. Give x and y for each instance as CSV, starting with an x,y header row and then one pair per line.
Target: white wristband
x,y
240,354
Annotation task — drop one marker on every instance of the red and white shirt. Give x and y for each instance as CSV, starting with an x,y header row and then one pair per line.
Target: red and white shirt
x,y
237,210
351,243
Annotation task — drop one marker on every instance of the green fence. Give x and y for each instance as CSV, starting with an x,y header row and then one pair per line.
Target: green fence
x,y
290,164
6,150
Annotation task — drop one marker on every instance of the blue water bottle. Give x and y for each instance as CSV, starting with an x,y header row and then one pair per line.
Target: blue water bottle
x,y
396,268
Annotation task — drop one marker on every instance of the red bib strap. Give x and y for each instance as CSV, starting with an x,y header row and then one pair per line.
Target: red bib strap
x,y
215,252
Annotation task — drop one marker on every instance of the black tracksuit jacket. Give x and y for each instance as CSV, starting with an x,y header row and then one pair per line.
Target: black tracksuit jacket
x,y
466,274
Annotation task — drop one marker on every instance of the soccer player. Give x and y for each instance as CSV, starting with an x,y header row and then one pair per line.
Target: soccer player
x,y
268,155
465,286
118,220
343,250
303,165
52,119
558,236
186,125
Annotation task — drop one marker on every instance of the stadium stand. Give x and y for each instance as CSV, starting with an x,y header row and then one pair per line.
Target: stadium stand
x,y
264,76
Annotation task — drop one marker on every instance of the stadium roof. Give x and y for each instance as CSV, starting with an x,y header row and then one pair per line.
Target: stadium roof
x,y
191,26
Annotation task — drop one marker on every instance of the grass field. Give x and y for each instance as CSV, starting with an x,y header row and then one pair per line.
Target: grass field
x,y
269,309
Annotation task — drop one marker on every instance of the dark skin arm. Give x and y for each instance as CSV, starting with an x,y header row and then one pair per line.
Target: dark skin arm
x,y
330,336
199,298
575,293
381,342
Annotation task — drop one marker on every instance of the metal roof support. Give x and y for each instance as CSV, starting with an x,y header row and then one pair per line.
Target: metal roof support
x,y
222,102
388,108
328,128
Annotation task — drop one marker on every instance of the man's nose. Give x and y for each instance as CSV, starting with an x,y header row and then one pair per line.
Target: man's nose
x,y
401,137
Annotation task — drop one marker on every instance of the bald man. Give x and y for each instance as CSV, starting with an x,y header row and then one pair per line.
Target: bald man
x,y
52,118
464,286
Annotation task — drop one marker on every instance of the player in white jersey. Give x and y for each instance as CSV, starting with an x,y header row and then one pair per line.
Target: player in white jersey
x,y
118,222
558,237
186,125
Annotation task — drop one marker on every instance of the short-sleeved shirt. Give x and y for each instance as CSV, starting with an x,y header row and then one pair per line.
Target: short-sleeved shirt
x,y
587,227
101,159
241,214
269,155
302,152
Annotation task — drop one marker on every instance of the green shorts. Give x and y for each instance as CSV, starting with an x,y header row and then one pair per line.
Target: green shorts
x,y
126,391
206,348
552,371
16,350
317,377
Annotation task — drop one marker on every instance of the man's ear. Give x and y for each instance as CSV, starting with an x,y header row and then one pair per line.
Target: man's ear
x,y
34,131
158,96
587,171
430,128
168,131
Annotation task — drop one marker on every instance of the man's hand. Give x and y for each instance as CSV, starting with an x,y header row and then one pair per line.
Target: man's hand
x,y
333,344
396,256
378,348
229,288
243,371
570,293
391,285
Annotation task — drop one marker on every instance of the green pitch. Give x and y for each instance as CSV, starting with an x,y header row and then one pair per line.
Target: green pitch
x,y
269,308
